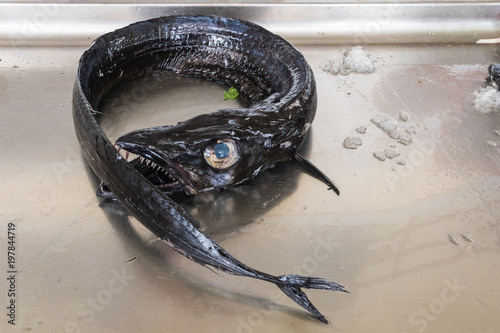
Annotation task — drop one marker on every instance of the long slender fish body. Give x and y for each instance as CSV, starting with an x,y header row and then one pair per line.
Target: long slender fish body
x,y
209,151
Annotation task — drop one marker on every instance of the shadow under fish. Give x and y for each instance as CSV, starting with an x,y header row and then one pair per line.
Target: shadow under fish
x,y
220,221
210,151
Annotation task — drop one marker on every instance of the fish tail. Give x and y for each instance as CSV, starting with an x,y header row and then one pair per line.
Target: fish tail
x,y
291,285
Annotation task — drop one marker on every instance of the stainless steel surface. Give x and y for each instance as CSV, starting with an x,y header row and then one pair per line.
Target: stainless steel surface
x,y
304,23
418,245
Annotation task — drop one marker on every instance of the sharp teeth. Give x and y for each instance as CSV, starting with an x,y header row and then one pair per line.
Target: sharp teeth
x,y
131,156
166,173
125,153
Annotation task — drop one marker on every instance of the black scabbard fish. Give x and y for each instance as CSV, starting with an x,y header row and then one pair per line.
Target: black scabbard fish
x,y
215,150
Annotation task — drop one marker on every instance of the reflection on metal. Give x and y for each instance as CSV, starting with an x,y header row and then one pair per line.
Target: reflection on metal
x,y
317,23
408,258
385,236
488,41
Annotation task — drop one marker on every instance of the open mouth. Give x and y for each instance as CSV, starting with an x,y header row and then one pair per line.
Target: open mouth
x,y
158,175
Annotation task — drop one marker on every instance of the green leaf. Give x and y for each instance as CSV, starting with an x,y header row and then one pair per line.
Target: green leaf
x,y
232,93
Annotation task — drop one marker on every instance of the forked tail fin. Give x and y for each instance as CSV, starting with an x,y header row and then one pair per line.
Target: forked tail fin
x,y
291,285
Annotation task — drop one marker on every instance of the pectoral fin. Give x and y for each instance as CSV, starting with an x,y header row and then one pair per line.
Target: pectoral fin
x,y
312,170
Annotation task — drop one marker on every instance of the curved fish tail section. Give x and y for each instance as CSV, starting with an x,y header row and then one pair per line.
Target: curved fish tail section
x,y
206,252
291,285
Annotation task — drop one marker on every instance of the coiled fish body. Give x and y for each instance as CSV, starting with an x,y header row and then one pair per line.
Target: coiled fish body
x,y
215,150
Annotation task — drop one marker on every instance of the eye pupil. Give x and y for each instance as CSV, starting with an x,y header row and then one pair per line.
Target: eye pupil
x,y
221,154
221,150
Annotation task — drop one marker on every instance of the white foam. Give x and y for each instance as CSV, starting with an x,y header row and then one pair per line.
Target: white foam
x,y
355,60
386,123
486,100
352,142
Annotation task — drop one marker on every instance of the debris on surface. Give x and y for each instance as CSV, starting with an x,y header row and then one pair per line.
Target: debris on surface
x,y
386,123
390,126
391,153
232,93
454,239
490,143
467,236
486,100
355,60
379,155
361,129
352,142
405,138
403,116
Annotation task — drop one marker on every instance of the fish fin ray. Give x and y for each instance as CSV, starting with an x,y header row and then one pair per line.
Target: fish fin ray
x,y
291,285
312,170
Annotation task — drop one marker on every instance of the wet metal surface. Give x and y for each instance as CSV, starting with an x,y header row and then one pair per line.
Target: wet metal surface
x,y
417,245
304,22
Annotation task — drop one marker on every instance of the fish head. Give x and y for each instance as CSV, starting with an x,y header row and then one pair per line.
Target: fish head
x,y
210,151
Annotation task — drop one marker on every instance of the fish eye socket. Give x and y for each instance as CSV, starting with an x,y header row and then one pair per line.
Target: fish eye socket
x,y
221,154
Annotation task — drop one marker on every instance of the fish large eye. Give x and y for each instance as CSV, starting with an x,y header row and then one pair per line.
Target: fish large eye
x,y
221,154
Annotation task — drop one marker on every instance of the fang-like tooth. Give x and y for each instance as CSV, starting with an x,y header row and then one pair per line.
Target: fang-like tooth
x,y
123,153
128,156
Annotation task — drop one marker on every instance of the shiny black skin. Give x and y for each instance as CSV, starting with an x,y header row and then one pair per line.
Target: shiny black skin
x,y
179,149
494,71
271,76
